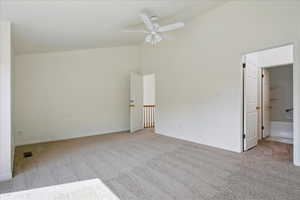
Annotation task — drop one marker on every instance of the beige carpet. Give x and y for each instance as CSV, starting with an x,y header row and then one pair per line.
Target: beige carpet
x,y
146,166
83,190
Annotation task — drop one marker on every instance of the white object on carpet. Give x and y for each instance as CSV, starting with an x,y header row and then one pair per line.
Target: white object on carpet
x,y
92,189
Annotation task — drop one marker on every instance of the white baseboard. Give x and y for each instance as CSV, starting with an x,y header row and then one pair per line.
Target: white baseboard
x,y
5,175
36,141
200,142
297,163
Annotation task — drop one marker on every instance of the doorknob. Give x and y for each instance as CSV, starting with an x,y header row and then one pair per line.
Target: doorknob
x,y
257,108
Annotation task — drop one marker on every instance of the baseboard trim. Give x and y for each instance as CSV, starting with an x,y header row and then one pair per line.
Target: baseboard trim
x,y
201,143
296,163
69,138
5,175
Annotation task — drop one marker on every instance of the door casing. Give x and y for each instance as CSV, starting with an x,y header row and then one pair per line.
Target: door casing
x,y
296,97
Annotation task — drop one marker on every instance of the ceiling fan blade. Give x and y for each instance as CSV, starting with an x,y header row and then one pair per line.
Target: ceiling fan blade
x,y
170,27
167,37
147,21
135,31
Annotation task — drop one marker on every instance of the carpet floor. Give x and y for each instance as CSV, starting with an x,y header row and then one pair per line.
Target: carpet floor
x,y
147,166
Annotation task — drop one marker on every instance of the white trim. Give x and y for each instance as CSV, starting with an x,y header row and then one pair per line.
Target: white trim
x,y
5,101
296,96
296,99
198,142
272,66
296,163
69,138
5,175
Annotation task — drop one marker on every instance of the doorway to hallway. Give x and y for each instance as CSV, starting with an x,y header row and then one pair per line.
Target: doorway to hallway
x,y
142,101
149,101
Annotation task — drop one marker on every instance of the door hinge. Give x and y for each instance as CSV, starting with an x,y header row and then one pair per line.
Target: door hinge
x,y
262,128
244,136
262,75
244,65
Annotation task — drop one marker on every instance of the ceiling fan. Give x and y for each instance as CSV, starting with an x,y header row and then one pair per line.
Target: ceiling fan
x,y
154,30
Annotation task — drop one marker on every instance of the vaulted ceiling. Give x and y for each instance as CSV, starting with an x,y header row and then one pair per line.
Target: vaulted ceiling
x,y
58,25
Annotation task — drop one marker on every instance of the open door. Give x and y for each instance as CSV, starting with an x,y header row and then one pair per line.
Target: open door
x,y
250,105
266,103
136,102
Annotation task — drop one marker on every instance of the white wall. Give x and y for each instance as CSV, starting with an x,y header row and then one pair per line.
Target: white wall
x,y
149,89
6,139
276,56
71,94
198,76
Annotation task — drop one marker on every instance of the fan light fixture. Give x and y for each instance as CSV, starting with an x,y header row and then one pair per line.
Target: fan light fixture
x,y
154,30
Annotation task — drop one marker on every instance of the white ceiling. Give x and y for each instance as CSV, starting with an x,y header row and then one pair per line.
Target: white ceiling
x,y
58,25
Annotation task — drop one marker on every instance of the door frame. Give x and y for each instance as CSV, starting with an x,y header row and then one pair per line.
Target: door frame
x,y
296,97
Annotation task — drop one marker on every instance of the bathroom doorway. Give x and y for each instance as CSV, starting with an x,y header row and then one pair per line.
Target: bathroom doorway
x,y
277,103
268,105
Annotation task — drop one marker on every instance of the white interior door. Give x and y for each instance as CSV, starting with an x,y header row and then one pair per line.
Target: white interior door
x,y
250,105
136,102
266,106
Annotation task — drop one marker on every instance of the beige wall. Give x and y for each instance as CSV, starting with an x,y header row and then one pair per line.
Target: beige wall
x,y
71,94
198,79
198,76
